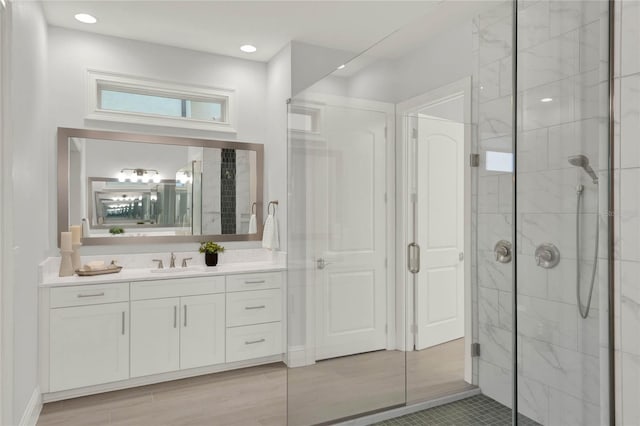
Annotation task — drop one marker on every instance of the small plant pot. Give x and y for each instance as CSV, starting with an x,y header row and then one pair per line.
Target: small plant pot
x,y
211,259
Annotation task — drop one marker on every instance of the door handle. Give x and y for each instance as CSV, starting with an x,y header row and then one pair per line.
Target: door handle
x,y
413,258
321,263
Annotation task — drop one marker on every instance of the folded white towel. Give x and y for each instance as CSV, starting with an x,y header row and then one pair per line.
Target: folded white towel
x,y
95,265
270,238
253,226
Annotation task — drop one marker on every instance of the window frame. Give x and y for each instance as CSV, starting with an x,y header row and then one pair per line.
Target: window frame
x,y
99,80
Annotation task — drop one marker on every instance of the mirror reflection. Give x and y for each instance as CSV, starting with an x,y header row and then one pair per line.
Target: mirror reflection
x,y
132,189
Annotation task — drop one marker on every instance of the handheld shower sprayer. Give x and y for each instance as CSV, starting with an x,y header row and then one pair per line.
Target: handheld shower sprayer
x,y
583,161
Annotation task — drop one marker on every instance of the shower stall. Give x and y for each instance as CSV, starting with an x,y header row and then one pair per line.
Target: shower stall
x,y
449,220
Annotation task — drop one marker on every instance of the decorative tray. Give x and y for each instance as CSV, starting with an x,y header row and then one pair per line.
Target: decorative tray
x,y
110,269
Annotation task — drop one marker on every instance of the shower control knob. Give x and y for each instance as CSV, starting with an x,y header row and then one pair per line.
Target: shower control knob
x,y
547,256
502,251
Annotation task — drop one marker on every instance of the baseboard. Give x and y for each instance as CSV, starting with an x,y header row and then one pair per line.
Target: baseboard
x,y
298,356
32,410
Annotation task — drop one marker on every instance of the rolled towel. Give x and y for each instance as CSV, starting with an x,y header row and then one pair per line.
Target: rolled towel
x,y
253,226
267,233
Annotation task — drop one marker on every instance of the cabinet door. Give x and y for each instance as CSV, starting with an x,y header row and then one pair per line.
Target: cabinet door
x,y
89,345
202,332
155,336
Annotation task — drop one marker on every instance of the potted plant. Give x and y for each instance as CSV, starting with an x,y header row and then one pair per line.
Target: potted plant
x,y
210,250
116,230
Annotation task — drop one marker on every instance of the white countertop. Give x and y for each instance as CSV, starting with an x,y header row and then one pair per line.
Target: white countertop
x,y
126,275
135,269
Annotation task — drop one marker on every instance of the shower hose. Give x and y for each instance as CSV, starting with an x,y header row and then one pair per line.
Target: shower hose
x,y
584,310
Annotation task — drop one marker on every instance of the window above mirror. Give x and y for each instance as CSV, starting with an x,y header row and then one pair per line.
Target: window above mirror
x,y
122,98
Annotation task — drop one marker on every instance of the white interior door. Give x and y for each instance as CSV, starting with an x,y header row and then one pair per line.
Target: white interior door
x,y
439,228
350,211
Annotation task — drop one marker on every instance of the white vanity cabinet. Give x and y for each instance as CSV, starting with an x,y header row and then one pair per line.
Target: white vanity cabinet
x,y
113,335
172,333
89,341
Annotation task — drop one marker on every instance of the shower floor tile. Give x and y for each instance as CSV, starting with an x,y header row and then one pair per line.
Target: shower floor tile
x,y
477,410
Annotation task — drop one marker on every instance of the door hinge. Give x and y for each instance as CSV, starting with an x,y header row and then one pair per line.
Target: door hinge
x,y
474,160
414,133
461,256
414,328
475,349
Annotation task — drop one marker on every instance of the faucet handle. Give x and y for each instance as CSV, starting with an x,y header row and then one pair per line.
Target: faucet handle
x,y
160,265
184,261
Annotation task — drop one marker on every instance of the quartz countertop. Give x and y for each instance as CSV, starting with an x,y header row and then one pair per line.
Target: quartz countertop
x,y
136,270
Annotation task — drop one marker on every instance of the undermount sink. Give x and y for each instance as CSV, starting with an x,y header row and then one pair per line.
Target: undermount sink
x,y
176,270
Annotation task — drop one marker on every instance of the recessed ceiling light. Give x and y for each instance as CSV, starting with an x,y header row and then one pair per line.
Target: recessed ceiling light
x,y
85,18
341,66
248,48
546,99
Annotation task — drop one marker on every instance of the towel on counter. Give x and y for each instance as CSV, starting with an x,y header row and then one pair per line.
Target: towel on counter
x,y
253,226
270,238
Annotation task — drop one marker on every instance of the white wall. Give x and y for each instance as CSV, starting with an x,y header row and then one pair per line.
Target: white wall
x,y
71,53
31,171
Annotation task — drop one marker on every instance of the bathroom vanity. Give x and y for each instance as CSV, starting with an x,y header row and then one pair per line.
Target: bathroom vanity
x,y
143,326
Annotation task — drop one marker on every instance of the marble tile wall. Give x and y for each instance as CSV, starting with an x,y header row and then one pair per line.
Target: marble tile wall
x,y
562,54
627,70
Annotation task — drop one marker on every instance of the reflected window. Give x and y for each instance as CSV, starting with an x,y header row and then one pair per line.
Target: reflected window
x,y
499,161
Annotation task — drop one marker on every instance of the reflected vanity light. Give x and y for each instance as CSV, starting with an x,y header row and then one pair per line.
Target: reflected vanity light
x,y
341,67
184,177
545,100
142,175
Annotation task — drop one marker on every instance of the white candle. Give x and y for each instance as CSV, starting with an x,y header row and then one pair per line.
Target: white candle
x,y
65,241
76,233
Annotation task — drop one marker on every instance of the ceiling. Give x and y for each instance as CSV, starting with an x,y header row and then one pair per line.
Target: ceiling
x,y
221,27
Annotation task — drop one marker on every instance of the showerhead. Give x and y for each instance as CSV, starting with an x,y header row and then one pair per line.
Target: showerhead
x,y
583,162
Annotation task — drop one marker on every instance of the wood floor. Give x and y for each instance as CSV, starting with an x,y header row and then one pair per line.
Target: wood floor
x,y
257,396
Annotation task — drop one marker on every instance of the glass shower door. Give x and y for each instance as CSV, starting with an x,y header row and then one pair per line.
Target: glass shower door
x,y
341,361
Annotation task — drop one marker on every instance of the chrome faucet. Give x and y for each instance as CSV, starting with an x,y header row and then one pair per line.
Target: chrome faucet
x,y
172,264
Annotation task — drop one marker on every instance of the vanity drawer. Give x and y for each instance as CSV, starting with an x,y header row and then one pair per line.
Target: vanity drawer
x,y
254,341
259,281
61,297
253,307
159,289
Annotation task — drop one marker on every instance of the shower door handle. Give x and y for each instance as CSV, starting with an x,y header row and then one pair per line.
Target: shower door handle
x,y
413,258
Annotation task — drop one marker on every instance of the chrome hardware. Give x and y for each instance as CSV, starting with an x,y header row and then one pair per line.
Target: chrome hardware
x,y
253,342
254,282
160,264
502,251
184,261
123,323
413,258
321,263
172,263
474,160
175,317
92,294
547,256
475,349
248,308
185,315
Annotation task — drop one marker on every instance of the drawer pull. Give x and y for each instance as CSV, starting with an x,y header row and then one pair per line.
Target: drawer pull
x,y
123,323
253,342
254,282
248,308
91,294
